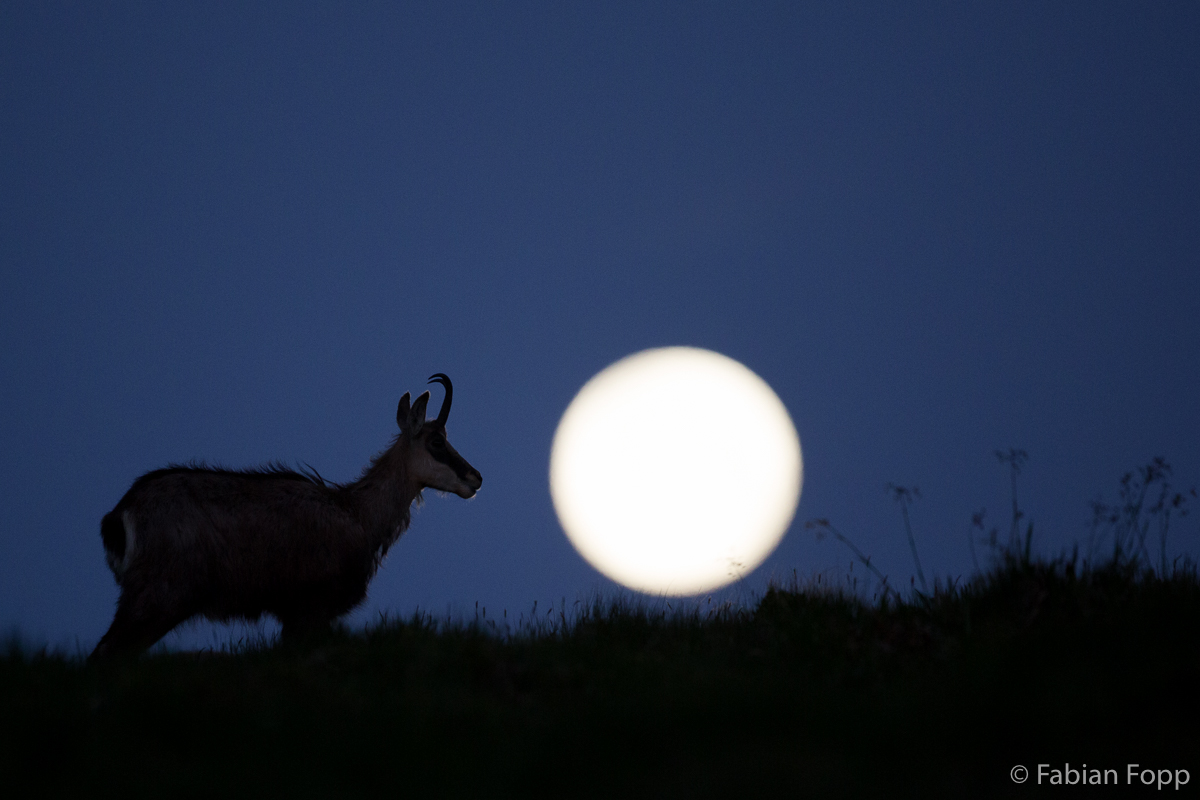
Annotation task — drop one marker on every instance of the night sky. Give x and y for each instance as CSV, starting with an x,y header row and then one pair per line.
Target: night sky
x,y
238,233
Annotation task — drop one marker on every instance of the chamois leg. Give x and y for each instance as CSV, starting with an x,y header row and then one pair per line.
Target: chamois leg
x,y
298,629
133,629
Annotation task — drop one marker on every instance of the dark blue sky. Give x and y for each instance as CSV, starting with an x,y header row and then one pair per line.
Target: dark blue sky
x,y
239,233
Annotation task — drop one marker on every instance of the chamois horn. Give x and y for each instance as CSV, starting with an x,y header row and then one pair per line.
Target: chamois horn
x,y
444,380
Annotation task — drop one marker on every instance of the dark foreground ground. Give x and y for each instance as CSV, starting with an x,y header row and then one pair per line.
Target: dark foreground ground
x,y
810,693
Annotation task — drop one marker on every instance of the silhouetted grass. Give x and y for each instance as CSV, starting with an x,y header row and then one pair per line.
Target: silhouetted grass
x,y
807,692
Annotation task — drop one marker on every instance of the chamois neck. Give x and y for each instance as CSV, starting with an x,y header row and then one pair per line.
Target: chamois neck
x,y
381,498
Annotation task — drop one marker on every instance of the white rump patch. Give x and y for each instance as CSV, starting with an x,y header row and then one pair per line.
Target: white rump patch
x,y
119,565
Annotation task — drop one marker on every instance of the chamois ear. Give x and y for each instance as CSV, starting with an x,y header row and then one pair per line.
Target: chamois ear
x,y
416,415
402,412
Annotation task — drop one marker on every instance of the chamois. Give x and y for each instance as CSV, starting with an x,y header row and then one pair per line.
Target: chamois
x,y
188,541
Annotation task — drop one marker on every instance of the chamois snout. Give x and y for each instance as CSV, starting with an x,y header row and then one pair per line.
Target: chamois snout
x,y
472,481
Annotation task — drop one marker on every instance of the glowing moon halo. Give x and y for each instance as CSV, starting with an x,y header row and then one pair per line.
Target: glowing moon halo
x,y
675,471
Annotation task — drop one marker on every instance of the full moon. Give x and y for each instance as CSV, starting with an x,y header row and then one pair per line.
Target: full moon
x,y
675,471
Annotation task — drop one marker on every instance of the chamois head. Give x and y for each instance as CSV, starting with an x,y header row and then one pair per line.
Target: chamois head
x,y
432,461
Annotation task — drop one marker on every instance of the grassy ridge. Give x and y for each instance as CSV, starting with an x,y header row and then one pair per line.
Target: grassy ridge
x,y
808,692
